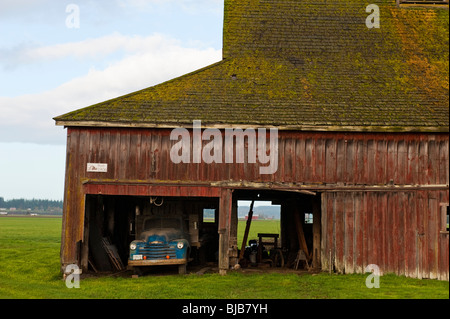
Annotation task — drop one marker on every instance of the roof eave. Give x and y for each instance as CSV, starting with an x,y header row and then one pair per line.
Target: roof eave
x,y
317,128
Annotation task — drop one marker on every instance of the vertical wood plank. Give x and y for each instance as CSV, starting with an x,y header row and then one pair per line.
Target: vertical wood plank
x,y
410,235
390,220
340,157
317,232
402,253
377,229
320,160
370,229
371,163
421,253
433,161
147,160
423,163
384,235
314,177
308,160
433,235
134,148
300,167
391,164
330,239
288,160
340,233
402,162
413,160
359,230
331,165
443,163
225,211
349,229
364,225
381,159
125,144
349,162
360,161
325,236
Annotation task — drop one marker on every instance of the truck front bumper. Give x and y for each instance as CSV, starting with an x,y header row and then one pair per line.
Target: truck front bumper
x,y
157,262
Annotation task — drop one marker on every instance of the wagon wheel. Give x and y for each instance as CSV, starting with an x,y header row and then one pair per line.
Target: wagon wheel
x,y
278,259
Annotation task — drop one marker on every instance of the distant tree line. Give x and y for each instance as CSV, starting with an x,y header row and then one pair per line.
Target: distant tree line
x,y
33,204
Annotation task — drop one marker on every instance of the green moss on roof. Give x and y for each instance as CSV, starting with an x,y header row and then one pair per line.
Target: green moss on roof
x,y
305,64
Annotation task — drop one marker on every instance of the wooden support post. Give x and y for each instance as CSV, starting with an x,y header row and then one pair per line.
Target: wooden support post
x,y
317,225
301,235
247,229
84,258
234,257
225,208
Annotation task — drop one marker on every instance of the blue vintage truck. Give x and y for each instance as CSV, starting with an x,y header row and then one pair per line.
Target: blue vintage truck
x,y
163,241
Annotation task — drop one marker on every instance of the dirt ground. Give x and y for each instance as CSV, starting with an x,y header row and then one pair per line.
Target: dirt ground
x,y
209,268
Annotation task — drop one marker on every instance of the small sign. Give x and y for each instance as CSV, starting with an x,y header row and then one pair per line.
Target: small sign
x,y
97,168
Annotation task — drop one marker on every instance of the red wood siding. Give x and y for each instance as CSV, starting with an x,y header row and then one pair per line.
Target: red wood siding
x,y
397,229
310,158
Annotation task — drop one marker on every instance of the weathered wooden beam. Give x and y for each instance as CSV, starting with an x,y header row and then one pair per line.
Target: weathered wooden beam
x,y
225,208
317,225
322,187
308,189
300,234
308,128
247,229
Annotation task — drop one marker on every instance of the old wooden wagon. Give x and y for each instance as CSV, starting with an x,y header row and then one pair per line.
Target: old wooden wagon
x,y
362,119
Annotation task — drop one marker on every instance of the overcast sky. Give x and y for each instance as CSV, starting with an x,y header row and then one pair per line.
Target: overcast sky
x,y
58,56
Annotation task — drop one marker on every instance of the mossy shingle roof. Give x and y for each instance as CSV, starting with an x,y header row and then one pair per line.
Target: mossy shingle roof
x,y
306,65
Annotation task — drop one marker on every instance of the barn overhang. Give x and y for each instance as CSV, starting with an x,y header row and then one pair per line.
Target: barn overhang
x,y
298,128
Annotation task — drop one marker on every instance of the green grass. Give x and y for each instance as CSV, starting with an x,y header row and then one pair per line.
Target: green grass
x,y
29,268
257,226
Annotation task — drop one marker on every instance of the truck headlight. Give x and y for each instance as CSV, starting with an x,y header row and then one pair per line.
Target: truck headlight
x,y
180,245
133,246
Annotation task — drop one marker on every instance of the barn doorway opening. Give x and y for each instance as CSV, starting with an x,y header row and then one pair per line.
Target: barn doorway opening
x,y
112,223
257,217
284,231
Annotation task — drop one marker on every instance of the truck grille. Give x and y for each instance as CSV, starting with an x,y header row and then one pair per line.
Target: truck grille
x,y
157,251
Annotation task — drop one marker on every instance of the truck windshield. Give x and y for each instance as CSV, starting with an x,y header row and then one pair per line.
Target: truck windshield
x,y
162,223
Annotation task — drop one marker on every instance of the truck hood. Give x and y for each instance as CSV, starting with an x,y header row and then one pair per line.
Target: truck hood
x,y
163,234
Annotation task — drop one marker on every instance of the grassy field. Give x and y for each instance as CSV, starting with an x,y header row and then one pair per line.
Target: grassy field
x,y
257,226
29,268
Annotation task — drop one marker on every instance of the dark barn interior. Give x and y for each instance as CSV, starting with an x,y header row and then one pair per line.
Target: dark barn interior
x,y
118,220
300,223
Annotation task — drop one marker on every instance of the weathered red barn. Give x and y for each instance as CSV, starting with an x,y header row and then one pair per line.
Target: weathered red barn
x,y
361,118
